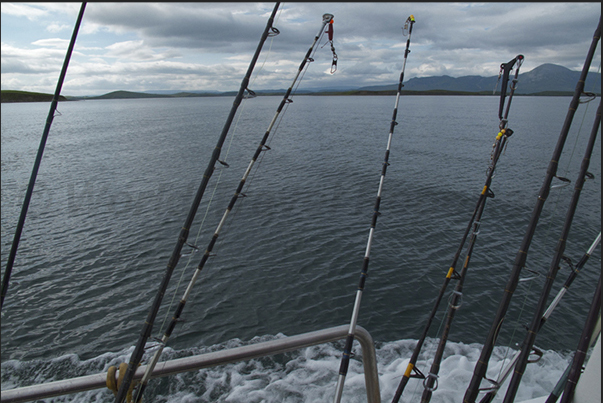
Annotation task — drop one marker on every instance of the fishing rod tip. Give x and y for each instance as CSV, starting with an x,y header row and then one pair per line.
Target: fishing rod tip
x,y
327,17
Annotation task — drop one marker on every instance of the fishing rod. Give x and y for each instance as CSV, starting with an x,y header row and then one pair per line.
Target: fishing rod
x,y
520,259
34,174
580,355
147,328
345,359
530,338
568,282
326,19
498,147
430,383
560,386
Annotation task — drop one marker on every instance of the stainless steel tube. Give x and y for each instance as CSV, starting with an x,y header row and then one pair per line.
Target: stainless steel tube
x,y
90,382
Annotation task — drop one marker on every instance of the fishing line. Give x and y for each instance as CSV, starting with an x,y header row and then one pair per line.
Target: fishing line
x,y
551,219
240,114
518,325
551,222
560,248
38,160
587,102
208,251
507,368
193,247
471,231
147,327
429,352
347,352
269,53
258,164
233,215
252,175
524,297
583,347
567,168
481,366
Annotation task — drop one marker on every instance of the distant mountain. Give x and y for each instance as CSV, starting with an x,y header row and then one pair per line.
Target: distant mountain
x,y
128,94
152,94
546,78
174,92
551,77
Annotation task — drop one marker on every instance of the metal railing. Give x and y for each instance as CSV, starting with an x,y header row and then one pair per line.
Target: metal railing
x,y
279,346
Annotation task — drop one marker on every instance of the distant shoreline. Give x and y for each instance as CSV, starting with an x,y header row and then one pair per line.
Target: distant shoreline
x,y
10,96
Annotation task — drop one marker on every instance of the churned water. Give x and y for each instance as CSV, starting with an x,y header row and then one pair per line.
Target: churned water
x,y
117,181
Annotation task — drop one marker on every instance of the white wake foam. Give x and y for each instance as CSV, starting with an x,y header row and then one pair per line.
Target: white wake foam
x,y
307,375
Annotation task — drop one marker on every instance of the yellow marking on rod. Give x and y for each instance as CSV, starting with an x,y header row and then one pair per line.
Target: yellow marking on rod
x,y
500,134
412,18
408,369
484,190
450,271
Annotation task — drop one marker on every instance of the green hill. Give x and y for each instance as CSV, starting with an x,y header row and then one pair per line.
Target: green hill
x,y
136,95
24,96
127,95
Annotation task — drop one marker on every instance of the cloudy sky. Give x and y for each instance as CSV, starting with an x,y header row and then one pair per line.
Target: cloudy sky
x,y
208,46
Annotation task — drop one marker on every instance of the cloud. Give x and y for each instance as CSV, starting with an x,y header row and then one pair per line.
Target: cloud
x,y
56,27
209,45
30,61
189,25
35,12
137,50
22,10
56,43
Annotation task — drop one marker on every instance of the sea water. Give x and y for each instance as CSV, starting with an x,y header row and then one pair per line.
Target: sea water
x,y
118,179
